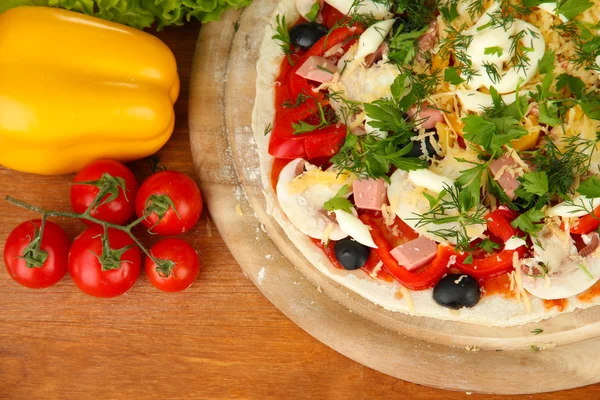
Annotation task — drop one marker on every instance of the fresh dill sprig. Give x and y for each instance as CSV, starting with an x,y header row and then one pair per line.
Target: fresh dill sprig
x,y
345,108
450,208
457,43
492,72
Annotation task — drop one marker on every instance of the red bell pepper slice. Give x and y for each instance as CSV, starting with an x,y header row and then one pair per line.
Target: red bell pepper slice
x,y
498,223
490,266
323,142
426,277
587,223
331,16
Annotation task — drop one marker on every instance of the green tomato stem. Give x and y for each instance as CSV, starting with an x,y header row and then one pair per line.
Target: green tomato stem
x,y
86,216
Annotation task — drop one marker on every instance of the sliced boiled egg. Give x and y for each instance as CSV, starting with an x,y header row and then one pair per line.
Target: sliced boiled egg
x,y
304,208
406,198
576,207
568,273
378,10
355,228
475,101
498,37
372,38
550,8
304,7
429,180
514,243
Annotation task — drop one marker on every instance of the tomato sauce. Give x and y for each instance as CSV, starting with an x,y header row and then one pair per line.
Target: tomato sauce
x,y
499,285
560,304
590,294
369,266
278,165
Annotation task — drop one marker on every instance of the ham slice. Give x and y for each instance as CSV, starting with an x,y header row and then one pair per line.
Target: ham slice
x,y
369,194
416,253
317,69
427,116
505,166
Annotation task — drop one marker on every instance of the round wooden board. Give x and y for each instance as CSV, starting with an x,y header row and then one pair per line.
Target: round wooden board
x,y
422,350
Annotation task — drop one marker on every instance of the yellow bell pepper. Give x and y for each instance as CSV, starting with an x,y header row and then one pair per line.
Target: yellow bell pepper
x,y
75,88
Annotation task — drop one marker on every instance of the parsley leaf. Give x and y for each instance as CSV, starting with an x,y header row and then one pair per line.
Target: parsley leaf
x,y
492,133
488,246
339,201
572,8
590,187
546,64
575,85
479,130
590,104
402,45
535,182
549,114
494,50
528,221
449,11
451,75
314,11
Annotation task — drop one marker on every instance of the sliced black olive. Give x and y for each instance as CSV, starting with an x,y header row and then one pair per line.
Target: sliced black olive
x,y
417,150
351,254
306,34
456,291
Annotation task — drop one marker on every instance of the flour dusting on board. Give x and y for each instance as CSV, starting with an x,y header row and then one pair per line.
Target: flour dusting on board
x,y
261,276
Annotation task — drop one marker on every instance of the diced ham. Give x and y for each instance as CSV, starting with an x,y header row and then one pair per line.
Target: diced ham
x,y
317,69
369,194
508,177
535,110
376,56
427,116
416,253
429,39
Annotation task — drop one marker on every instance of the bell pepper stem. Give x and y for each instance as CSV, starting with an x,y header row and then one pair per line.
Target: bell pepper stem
x,y
86,216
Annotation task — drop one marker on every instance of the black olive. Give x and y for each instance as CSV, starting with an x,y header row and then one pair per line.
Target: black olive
x,y
417,150
456,291
351,254
306,34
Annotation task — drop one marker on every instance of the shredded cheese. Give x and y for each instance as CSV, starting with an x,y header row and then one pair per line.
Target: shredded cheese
x,y
238,210
408,297
317,176
376,270
521,293
388,215
326,234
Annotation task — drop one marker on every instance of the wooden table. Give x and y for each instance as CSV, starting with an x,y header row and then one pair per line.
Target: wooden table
x,y
219,339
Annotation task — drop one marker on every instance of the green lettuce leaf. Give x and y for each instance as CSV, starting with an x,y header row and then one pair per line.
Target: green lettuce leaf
x,y
140,13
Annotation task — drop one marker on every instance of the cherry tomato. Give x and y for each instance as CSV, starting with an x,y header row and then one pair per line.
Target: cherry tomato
x,y
104,269
36,259
172,202
112,178
178,265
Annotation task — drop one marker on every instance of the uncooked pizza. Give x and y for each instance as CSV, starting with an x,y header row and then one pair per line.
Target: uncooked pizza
x,y
439,158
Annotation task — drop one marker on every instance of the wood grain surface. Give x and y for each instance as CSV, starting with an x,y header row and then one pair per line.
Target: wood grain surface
x,y
221,339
